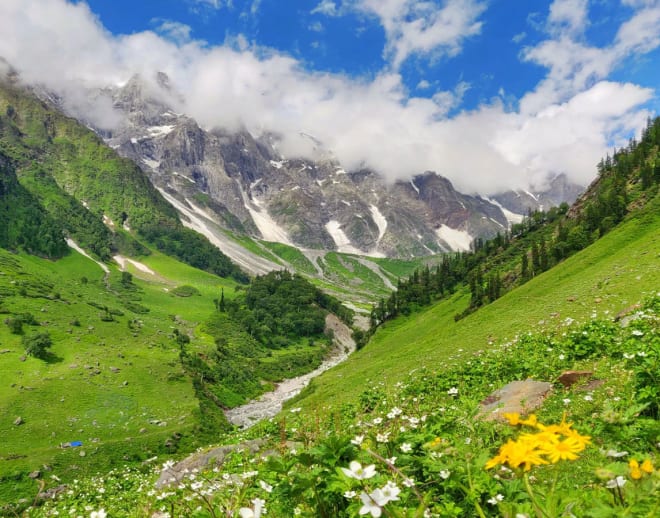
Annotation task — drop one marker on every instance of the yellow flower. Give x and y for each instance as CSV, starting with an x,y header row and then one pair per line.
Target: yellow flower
x,y
562,450
513,418
635,472
531,420
523,451
647,467
574,434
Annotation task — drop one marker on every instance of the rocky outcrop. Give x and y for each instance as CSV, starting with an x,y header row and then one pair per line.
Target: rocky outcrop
x,y
249,187
516,397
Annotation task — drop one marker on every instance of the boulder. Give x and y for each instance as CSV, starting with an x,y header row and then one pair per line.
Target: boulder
x,y
518,396
203,460
570,378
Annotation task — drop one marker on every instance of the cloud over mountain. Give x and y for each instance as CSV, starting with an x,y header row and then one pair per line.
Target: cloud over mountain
x,y
565,124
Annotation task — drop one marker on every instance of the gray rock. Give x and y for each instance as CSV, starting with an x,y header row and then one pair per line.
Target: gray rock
x,y
204,460
18,421
518,396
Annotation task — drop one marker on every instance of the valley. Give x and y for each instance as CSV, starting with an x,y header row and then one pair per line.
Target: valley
x,y
245,288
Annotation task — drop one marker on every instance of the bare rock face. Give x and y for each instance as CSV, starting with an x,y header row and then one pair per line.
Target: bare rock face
x,y
241,182
518,396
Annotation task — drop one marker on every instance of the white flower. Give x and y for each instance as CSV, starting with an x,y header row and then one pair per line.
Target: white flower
x,y
383,437
628,356
408,482
389,492
637,332
369,503
616,454
391,461
394,412
358,472
452,391
349,494
378,420
616,482
98,514
246,512
266,486
562,357
444,474
468,440
588,397
357,440
496,499
641,354
406,447
566,401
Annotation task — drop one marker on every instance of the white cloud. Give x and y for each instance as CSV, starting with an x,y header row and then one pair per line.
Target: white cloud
x,y
574,65
517,38
326,7
214,4
568,16
176,31
423,85
565,125
316,27
415,27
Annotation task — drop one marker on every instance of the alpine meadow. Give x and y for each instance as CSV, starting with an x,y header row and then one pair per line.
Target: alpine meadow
x,y
269,260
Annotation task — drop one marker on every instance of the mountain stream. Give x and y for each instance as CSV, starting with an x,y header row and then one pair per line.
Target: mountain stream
x,y
270,403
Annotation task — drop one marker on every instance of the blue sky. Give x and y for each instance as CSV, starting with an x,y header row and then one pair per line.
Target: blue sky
x,y
490,93
353,42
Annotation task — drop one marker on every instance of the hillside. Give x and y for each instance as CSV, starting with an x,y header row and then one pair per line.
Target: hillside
x,y
102,201
614,273
394,430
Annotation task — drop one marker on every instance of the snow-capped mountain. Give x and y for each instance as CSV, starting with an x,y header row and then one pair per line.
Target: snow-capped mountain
x,y
242,183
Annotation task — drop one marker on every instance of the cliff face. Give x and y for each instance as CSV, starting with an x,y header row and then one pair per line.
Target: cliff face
x,y
246,185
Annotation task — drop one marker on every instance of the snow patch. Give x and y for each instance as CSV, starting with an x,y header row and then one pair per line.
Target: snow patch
x,y
295,187
341,240
340,171
532,195
122,261
496,222
134,140
153,164
320,182
380,221
196,219
267,226
72,244
348,204
456,239
412,182
159,131
511,217
276,164
182,176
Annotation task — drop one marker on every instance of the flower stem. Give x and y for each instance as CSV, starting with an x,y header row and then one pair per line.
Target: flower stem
x,y
474,496
539,510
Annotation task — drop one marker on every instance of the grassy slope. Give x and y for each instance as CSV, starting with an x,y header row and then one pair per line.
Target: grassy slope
x,y
62,401
618,270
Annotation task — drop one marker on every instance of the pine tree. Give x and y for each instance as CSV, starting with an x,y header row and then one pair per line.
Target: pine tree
x,y
524,268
